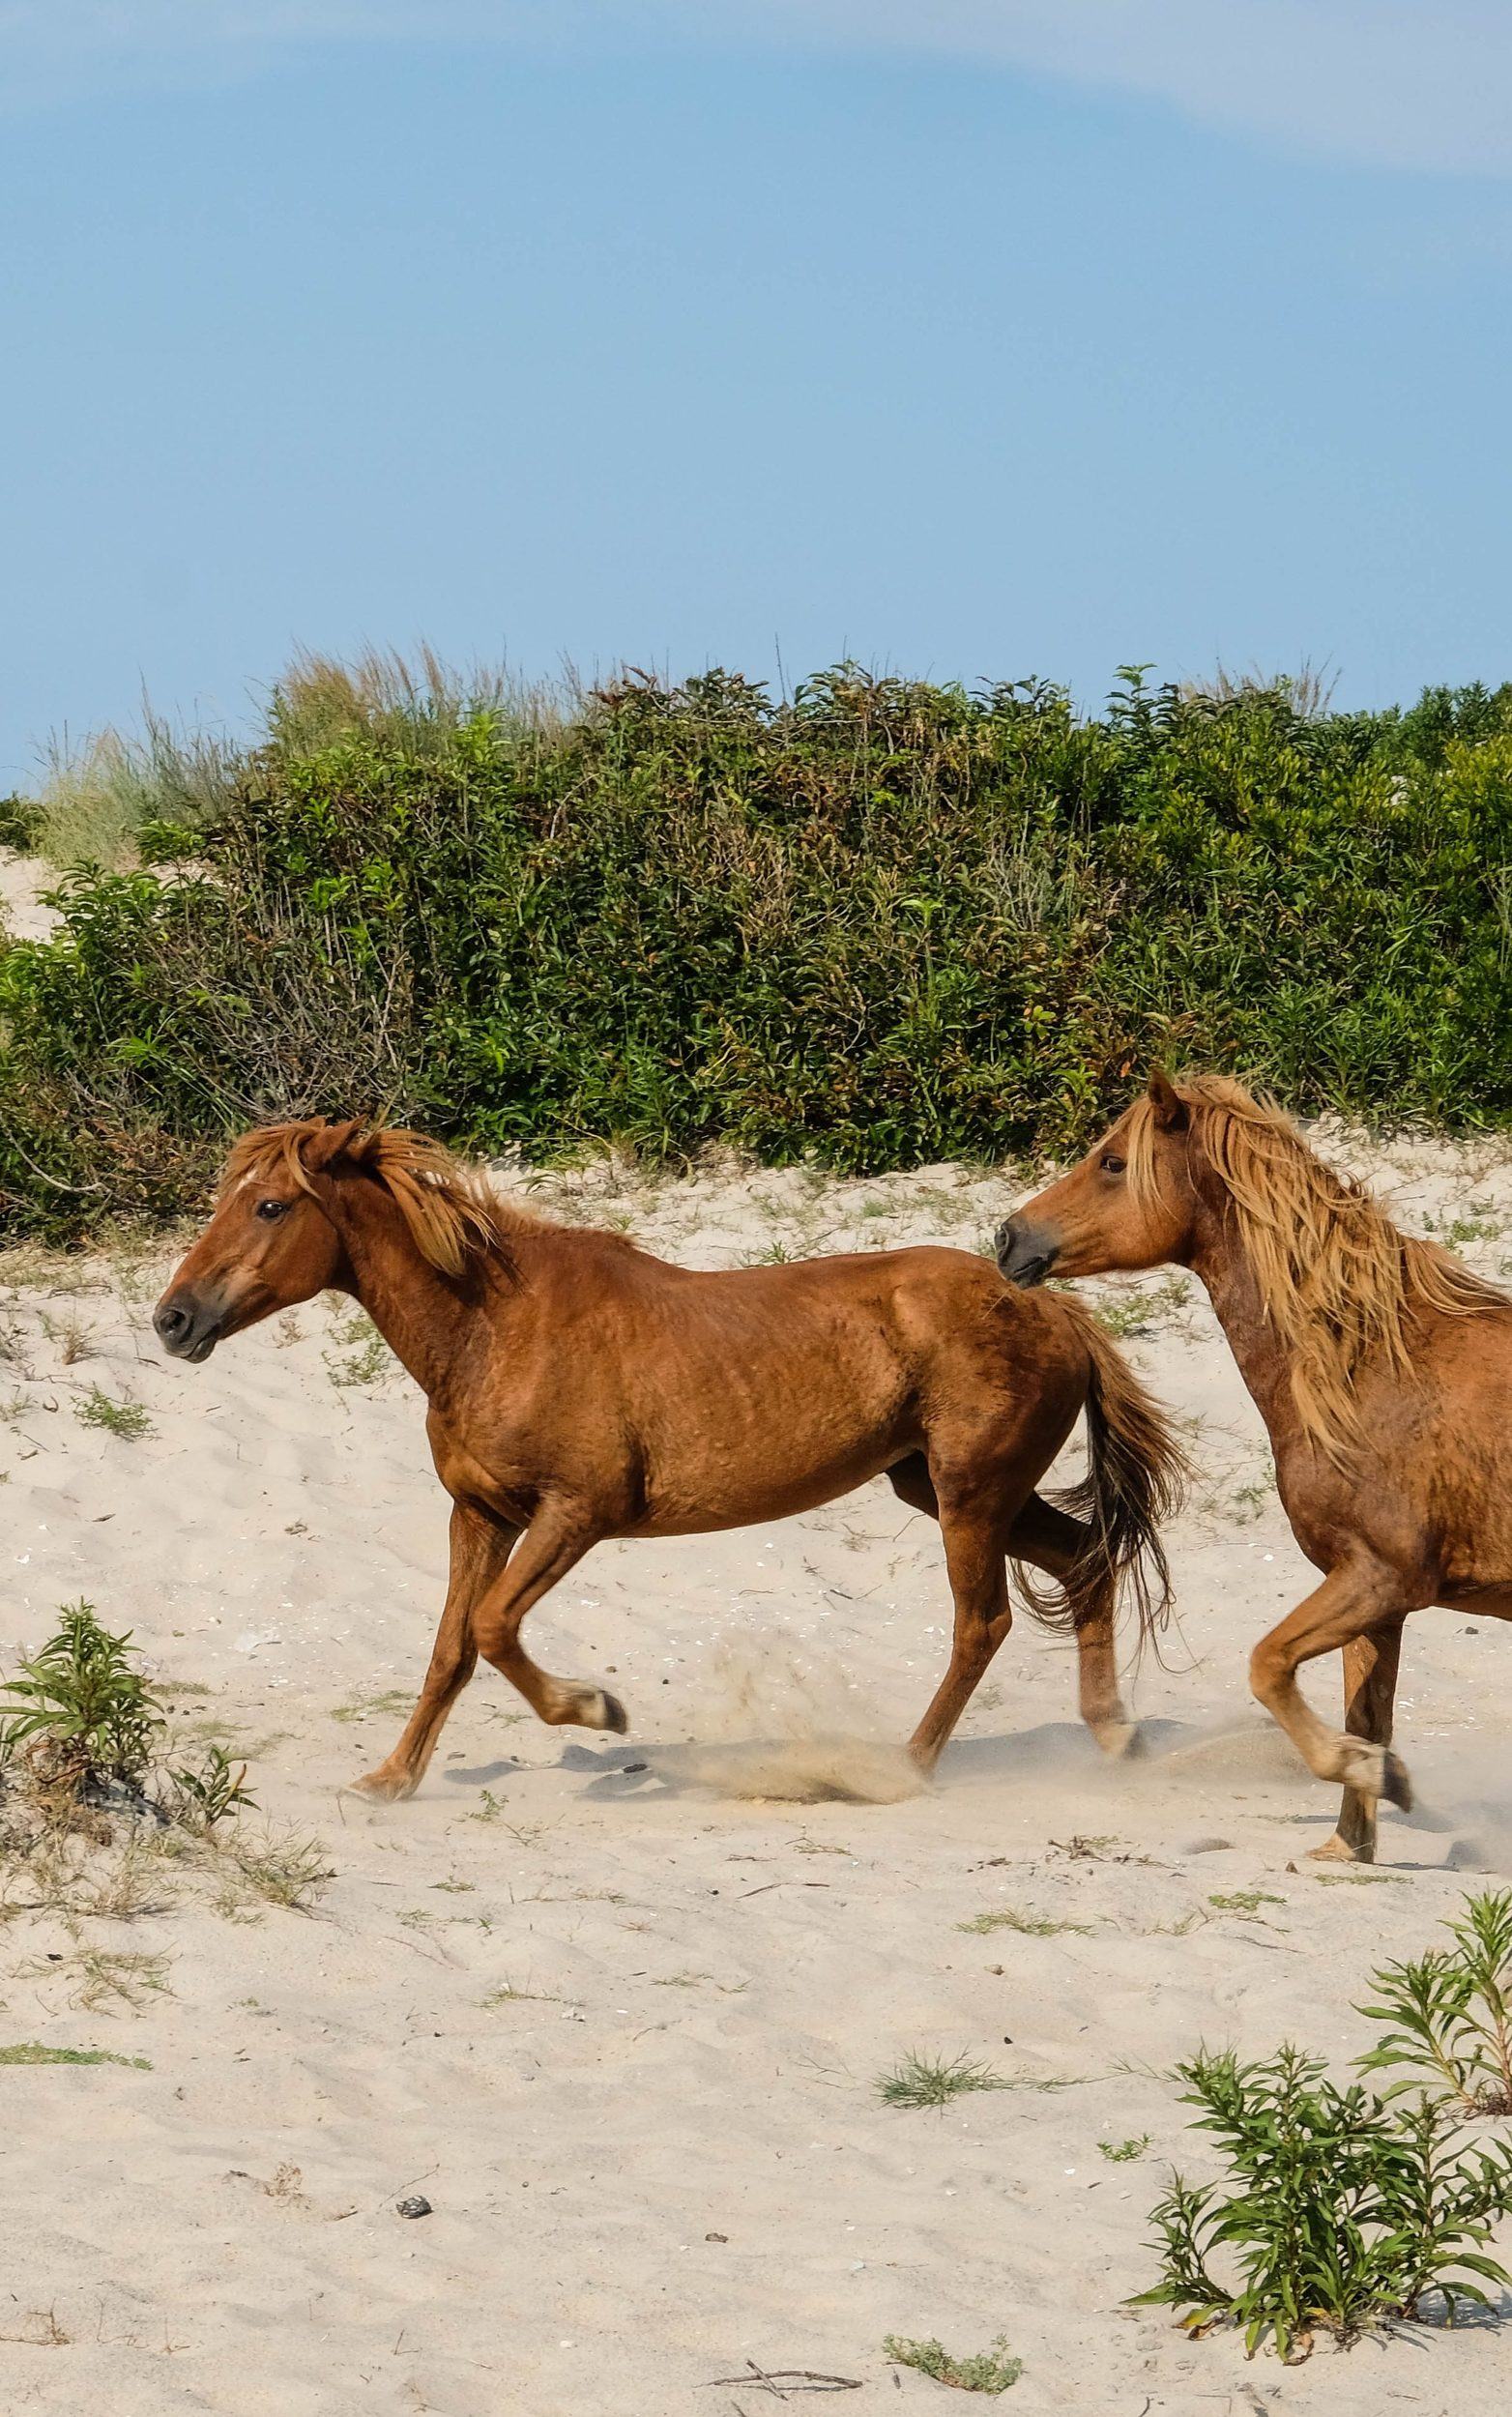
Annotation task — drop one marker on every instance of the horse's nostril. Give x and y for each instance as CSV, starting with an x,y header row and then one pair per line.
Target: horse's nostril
x,y
169,1324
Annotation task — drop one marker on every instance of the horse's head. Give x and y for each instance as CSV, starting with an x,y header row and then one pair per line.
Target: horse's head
x,y
1130,1203
269,1245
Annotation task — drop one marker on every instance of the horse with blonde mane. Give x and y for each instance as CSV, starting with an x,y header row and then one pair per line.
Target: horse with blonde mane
x,y
580,1388
1381,1366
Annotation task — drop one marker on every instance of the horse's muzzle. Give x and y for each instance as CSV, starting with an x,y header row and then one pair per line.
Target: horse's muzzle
x,y
188,1327
1026,1253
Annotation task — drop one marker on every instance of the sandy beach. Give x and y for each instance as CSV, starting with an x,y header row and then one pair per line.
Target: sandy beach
x,y
619,2008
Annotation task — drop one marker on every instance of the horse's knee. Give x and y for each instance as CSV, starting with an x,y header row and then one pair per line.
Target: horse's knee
x,y
1265,1673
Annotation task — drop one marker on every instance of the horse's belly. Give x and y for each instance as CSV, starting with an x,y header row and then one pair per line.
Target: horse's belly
x,y
743,1496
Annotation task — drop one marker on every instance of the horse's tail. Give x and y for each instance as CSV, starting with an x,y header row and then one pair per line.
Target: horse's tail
x,y
1136,1475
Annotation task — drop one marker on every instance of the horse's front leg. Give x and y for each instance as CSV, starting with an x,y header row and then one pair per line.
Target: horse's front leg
x,y
557,1537
1355,1601
1370,1686
1051,1539
480,1547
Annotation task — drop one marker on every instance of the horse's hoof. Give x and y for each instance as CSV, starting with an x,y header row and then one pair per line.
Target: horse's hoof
x,y
612,1713
1373,1772
1338,1850
383,1788
1120,1740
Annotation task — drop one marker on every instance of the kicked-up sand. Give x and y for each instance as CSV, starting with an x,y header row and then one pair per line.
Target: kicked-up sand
x,y
619,2008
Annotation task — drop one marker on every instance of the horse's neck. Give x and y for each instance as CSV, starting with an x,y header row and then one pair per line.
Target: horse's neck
x,y
423,1317
1222,1265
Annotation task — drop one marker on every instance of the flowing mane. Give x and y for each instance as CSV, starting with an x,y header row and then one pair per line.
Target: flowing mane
x,y
452,1211
1339,1282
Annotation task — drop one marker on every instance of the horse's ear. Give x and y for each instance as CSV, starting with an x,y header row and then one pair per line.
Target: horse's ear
x,y
1170,1107
327,1144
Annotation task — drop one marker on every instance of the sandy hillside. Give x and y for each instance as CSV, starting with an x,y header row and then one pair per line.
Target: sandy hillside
x,y
23,879
620,2023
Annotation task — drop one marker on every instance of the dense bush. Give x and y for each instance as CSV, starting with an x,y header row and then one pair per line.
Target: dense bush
x,y
20,821
883,923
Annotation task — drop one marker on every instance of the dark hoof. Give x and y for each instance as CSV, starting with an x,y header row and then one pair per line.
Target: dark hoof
x,y
1395,1785
615,1715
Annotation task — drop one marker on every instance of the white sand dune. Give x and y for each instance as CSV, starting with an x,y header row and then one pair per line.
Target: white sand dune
x,y
23,880
617,2008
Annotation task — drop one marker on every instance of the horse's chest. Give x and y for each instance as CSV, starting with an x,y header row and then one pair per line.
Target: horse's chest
x,y
496,1474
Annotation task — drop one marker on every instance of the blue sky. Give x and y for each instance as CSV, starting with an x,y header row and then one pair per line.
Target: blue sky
x,y
973,337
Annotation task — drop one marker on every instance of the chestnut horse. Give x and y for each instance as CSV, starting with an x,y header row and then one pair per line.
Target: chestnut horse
x,y
1382,1367
580,1388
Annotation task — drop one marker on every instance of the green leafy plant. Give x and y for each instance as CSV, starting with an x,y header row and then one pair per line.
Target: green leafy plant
x,y
934,2080
990,2371
364,1357
81,1708
208,1794
1337,2211
1450,2012
32,2052
127,1420
1123,2152
1027,1925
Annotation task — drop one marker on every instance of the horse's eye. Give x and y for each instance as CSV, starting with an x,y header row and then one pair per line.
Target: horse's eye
x,y
1111,1163
270,1210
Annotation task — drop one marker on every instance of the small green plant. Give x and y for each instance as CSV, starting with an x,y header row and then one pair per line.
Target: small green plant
x,y
364,1357
1123,2152
281,1868
127,1420
74,1339
934,2080
1123,1319
1027,1925
1450,2012
104,1979
207,1794
32,2052
1245,1901
393,1701
1338,2211
81,1709
990,2371
507,1994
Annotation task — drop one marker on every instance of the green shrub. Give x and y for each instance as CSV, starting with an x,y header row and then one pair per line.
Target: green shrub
x,y
988,2370
82,1708
1450,2012
1341,2209
1338,2211
918,2081
21,823
880,923
207,1793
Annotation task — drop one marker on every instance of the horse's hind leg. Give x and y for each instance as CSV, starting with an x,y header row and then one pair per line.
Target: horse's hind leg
x,y
1051,1539
479,1548
974,1541
1370,1686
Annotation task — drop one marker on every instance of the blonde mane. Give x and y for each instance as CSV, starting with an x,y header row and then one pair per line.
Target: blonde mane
x,y
1340,1284
452,1211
